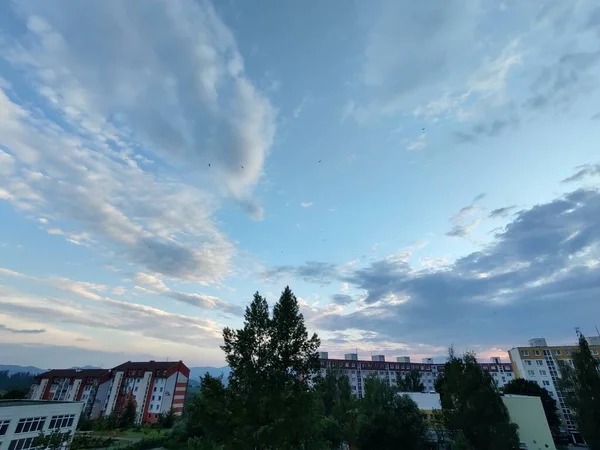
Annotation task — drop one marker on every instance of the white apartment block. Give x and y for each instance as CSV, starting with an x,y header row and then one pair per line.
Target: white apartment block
x,y
539,363
359,370
21,421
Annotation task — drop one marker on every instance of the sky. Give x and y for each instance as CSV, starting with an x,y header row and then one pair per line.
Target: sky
x,y
421,174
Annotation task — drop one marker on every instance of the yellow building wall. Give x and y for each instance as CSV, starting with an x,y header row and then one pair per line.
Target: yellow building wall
x,y
528,414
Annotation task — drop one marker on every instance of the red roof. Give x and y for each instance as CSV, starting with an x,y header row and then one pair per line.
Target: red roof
x,y
74,373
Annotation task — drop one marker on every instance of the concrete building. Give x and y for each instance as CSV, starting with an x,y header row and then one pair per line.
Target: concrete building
x,y
81,385
526,412
21,421
154,386
539,362
358,370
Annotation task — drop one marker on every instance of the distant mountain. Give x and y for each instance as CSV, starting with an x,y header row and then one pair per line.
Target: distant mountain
x,y
16,369
197,372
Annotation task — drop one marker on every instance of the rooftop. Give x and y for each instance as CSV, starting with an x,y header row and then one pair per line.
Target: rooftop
x,y
73,373
7,403
146,365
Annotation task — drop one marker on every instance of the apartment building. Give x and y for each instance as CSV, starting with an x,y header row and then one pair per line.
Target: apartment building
x,y
539,362
73,385
21,421
156,387
358,370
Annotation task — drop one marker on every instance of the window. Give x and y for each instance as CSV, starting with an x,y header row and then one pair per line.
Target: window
x,y
136,388
537,353
153,398
3,426
539,362
531,373
525,353
543,372
61,421
30,424
528,362
557,352
162,388
159,397
21,444
546,383
594,351
154,389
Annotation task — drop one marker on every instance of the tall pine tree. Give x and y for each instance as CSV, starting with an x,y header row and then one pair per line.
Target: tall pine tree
x,y
580,384
272,361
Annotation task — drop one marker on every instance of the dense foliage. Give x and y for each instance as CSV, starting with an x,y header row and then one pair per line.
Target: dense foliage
x,y
411,382
472,407
15,383
521,386
580,385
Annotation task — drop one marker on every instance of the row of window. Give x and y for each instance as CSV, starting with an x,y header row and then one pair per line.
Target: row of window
x,y
556,352
531,373
30,424
21,444
61,421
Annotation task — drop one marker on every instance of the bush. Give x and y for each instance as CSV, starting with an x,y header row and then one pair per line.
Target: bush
x,y
148,443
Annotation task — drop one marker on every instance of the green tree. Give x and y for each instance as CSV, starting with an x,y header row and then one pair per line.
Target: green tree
x,y
15,393
580,385
272,361
389,420
340,409
471,405
128,415
521,386
51,441
411,382
166,419
210,414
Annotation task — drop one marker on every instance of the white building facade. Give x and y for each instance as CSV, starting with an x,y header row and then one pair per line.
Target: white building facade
x,y
21,421
540,363
359,370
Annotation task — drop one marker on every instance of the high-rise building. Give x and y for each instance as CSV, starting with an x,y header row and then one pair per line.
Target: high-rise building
x,y
539,362
359,370
156,387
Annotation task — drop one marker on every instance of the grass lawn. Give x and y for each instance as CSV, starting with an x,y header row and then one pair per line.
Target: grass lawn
x,y
145,433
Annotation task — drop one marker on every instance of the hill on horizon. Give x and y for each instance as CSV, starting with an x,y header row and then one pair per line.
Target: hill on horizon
x,y
195,372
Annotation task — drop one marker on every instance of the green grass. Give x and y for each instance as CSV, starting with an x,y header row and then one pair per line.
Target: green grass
x,y
143,433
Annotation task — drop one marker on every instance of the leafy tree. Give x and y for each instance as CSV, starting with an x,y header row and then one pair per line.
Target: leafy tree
x,y
580,385
10,381
411,382
128,415
521,386
472,406
272,361
209,414
15,393
389,420
166,419
51,441
340,409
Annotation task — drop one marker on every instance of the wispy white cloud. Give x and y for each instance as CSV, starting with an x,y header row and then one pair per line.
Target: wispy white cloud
x,y
306,204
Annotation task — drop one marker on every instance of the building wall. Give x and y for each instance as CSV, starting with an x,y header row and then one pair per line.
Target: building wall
x,y
359,370
528,414
43,412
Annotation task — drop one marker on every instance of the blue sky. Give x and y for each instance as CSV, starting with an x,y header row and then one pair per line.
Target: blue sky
x,y
421,175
